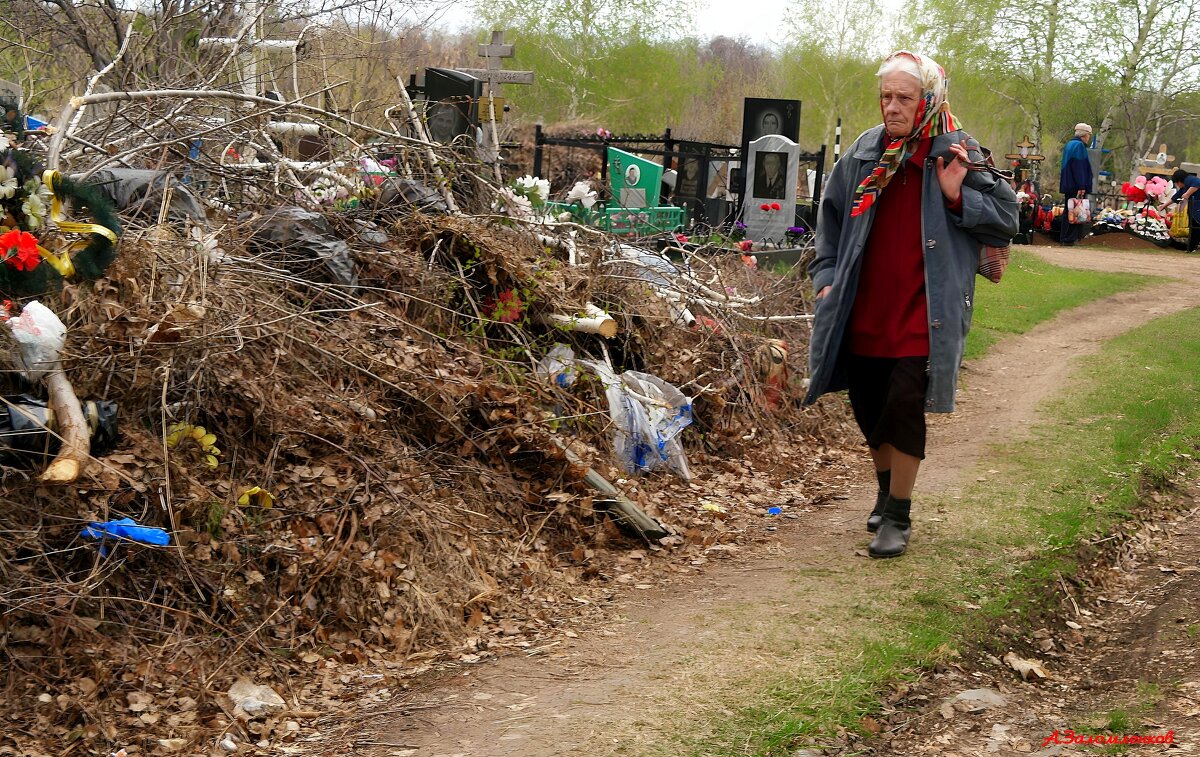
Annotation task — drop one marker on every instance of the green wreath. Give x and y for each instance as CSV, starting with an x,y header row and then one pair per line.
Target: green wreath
x,y
30,202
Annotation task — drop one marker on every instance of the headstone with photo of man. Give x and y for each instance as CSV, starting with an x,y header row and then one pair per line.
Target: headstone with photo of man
x,y
765,116
772,169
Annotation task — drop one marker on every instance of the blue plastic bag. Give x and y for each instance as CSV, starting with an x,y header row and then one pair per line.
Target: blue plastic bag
x,y
127,529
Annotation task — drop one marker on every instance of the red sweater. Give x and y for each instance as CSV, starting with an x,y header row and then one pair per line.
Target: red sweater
x,y
890,316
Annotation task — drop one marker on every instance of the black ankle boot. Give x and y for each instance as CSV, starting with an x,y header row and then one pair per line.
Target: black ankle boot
x,y
876,515
885,483
894,529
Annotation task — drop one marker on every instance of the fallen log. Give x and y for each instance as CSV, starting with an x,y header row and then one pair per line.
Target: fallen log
x,y
72,429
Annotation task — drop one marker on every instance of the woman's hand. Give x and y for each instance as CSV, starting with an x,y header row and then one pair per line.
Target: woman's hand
x,y
950,176
824,291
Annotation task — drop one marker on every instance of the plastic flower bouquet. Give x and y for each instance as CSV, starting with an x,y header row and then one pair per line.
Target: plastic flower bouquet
x,y
30,204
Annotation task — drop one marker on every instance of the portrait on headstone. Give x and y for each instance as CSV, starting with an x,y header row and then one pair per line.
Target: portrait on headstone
x,y
764,116
445,122
770,176
451,97
636,182
691,177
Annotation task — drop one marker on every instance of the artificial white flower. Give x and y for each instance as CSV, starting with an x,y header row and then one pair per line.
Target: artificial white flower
x,y
531,186
582,193
4,143
515,205
36,205
8,182
326,190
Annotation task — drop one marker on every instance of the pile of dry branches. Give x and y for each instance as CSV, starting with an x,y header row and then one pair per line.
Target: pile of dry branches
x,y
347,470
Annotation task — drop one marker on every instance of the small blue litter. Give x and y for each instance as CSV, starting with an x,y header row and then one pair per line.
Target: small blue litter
x,y
126,528
774,510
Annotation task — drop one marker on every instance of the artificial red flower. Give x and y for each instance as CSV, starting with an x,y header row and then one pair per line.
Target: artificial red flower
x,y
774,206
764,206
681,238
506,308
745,245
20,250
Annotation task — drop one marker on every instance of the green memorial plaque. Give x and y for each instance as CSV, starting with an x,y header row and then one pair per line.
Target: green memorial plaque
x,y
635,182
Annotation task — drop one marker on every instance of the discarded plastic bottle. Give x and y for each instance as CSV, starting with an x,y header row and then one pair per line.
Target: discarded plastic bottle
x,y
24,420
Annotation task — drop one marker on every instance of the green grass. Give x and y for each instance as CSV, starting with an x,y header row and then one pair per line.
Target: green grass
x,y
1034,291
1130,420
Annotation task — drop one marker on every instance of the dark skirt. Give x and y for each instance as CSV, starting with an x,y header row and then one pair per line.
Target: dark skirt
x,y
888,398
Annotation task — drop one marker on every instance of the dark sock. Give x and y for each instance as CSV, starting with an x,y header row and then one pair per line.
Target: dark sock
x,y
885,480
898,510
885,483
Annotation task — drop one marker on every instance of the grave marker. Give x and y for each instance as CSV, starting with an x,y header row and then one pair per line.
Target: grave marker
x,y
492,76
1157,164
772,168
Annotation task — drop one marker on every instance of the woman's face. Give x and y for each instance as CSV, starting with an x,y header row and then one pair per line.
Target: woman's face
x,y
899,98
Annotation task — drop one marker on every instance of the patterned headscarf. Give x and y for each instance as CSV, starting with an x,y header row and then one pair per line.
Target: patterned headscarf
x,y
933,118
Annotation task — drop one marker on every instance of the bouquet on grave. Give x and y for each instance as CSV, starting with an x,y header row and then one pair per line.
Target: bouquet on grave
x,y
523,196
31,203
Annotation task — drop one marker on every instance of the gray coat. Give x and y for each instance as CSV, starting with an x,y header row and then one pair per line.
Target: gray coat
x,y
952,244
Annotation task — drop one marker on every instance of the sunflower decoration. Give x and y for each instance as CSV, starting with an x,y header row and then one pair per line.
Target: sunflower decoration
x,y
31,206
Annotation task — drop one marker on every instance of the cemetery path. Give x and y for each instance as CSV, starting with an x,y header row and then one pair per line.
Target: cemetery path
x,y
672,655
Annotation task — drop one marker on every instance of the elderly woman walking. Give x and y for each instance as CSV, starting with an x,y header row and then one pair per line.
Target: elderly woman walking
x,y
901,224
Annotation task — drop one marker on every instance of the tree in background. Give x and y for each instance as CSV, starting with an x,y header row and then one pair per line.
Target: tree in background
x,y
614,61
1148,49
1018,49
831,66
727,69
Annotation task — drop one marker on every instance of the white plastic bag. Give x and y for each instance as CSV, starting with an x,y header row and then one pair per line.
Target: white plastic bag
x,y
558,366
648,415
40,336
1079,210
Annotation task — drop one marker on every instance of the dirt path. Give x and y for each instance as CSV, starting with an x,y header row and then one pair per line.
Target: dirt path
x,y
680,650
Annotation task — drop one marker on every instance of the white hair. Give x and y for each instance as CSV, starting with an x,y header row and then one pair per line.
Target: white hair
x,y
899,64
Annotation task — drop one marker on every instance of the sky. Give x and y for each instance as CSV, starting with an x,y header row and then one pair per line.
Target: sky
x,y
759,20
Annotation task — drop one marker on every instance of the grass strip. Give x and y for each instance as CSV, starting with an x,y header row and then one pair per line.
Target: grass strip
x,y
1131,421
1034,291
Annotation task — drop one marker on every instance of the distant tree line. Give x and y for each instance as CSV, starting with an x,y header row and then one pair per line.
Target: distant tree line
x,y
1131,68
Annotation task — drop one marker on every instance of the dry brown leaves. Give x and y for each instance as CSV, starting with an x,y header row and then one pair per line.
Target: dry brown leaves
x,y
420,514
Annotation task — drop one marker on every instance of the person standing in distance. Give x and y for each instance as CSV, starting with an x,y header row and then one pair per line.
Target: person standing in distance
x,y
1075,180
900,227
1186,186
